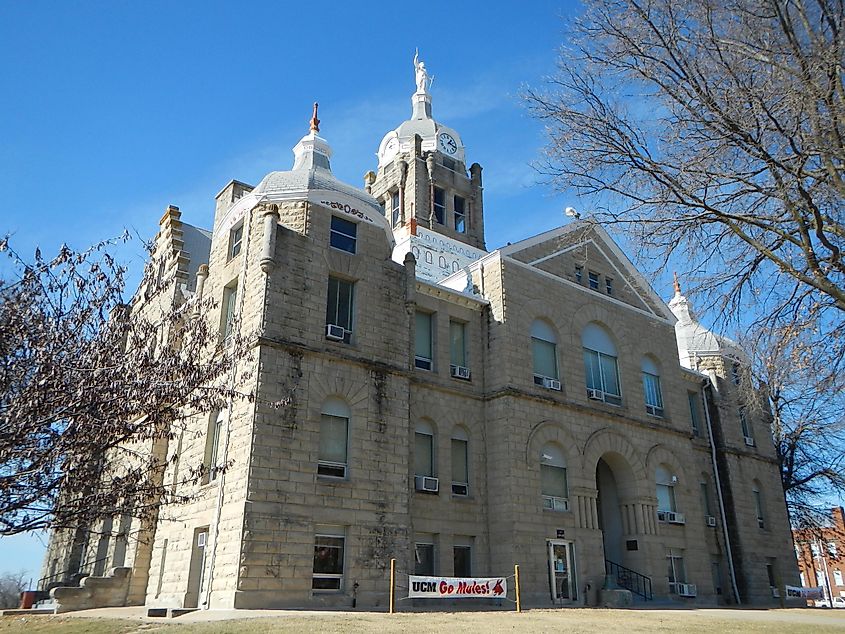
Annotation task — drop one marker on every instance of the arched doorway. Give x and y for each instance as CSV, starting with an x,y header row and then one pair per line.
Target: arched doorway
x,y
616,491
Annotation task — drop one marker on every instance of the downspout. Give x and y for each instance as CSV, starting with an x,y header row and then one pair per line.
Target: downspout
x,y
229,403
706,384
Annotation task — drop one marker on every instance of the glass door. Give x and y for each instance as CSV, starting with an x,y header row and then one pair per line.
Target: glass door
x,y
562,571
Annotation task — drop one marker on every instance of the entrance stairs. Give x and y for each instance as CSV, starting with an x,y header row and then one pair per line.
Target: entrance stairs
x,y
638,584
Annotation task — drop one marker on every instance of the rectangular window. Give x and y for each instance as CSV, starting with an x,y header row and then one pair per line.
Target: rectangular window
x,y
423,343
394,208
676,571
579,274
705,498
457,344
463,561
758,507
770,573
545,361
653,397
235,238
594,280
837,577
230,307
608,285
832,552
424,559
694,412
553,481
423,454
602,377
743,423
213,454
334,433
339,305
460,214
666,497
439,205
329,546
460,467
343,235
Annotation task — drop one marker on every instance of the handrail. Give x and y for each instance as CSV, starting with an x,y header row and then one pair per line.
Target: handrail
x,y
69,573
629,579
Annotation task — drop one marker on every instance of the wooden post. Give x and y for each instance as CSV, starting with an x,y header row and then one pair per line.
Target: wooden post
x,y
516,584
392,585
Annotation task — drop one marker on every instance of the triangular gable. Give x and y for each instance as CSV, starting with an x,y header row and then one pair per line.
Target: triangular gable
x,y
559,251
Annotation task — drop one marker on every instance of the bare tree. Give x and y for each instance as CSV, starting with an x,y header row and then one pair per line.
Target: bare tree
x,y
11,586
93,388
713,132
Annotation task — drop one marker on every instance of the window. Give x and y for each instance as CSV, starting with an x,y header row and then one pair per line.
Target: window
x,y
665,490
422,337
424,450
235,238
329,544
460,462
332,458
735,373
675,570
544,352
758,505
460,214
424,558
230,307
212,461
814,548
651,387
705,499
600,365
339,306
832,551
594,280
608,285
394,208
343,235
457,344
746,428
694,412
462,554
770,572
837,577
439,205
553,485
579,274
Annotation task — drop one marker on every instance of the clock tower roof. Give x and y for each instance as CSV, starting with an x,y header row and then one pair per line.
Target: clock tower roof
x,y
434,135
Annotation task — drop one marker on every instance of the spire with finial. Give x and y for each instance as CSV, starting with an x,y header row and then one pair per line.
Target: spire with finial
x,y
315,122
677,283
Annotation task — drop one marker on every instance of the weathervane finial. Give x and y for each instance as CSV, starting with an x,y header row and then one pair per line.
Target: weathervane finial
x,y
315,122
677,284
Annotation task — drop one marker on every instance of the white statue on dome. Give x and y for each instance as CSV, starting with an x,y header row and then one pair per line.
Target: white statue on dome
x,y
423,81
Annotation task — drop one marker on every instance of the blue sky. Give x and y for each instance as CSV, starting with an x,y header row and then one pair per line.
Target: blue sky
x,y
113,110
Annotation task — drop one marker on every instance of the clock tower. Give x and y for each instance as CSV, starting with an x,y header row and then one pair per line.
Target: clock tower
x,y
428,195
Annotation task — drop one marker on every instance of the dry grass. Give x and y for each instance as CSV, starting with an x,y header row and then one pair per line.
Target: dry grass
x,y
533,621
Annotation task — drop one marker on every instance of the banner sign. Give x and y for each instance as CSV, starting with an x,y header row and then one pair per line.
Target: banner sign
x,y
456,587
803,593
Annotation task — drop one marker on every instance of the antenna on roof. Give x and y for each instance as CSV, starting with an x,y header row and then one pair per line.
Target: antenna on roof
x,y
570,211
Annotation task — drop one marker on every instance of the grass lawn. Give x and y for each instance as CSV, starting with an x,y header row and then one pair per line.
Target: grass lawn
x,y
533,621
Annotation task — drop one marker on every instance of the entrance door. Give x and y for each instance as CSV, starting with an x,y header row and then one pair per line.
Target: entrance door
x,y
196,571
562,571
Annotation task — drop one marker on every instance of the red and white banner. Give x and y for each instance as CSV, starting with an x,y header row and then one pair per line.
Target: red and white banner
x,y
456,587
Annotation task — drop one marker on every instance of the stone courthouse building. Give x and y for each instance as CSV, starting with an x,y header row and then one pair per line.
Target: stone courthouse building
x,y
459,409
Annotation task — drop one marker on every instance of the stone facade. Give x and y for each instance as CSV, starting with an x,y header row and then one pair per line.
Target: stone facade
x,y
450,420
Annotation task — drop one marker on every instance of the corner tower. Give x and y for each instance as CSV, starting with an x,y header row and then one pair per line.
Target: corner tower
x,y
423,184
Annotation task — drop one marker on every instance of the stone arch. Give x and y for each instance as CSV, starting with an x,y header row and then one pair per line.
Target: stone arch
x,y
611,322
660,454
608,442
551,431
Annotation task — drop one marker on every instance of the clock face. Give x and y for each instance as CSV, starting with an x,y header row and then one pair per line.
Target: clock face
x,y
446,143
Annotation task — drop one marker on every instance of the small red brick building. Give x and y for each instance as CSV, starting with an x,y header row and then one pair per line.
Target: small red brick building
x,y
821,555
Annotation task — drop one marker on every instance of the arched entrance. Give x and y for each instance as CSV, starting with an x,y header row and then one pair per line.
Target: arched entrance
x,y
616,491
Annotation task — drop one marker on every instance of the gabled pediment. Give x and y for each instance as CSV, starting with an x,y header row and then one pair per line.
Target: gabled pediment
x,y
584,249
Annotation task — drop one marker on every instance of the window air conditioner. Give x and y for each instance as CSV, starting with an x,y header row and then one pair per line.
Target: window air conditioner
x,y
687,589
551,384
460,488
775,593
671,517
553,503
711,521
596,395
459,371
427,484
749,441
335,333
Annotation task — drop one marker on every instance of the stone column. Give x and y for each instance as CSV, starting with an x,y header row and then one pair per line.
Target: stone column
x,y
202,275
270,215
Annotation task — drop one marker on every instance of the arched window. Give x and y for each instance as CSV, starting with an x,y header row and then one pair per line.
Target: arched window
x,y
460,462
651,387
332,460
553,485
424,450
758,504
544,352
666,508
600,365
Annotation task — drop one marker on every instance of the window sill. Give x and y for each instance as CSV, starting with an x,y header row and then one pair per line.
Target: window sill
x,y
327,479
339,250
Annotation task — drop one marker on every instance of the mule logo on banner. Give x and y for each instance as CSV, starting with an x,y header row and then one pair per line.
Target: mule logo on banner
x,y
456,587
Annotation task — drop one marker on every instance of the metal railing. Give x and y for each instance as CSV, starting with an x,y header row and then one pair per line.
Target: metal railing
x,y
629,579
70,575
